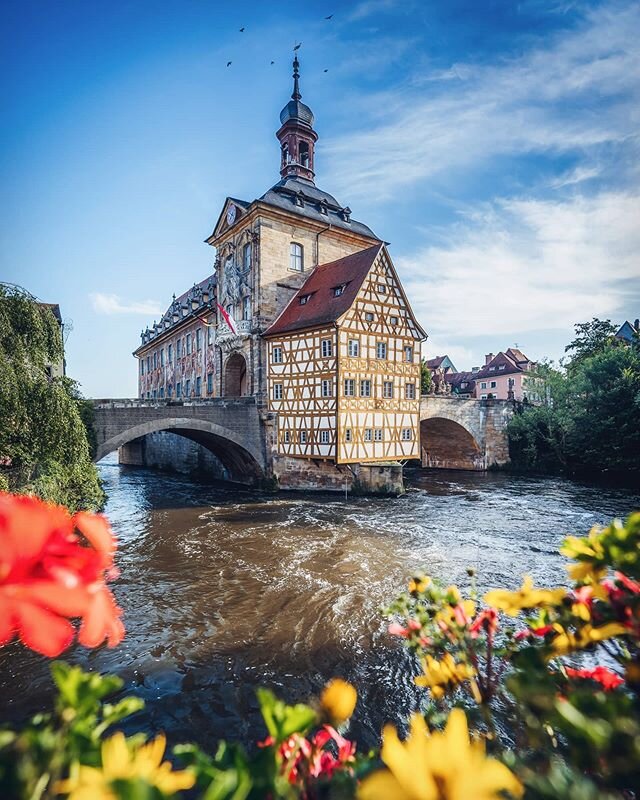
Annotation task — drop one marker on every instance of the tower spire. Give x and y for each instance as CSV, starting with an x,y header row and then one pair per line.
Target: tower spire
x,y
296,75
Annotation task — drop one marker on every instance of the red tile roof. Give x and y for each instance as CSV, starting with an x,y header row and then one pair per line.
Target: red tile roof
x,y
323,306
513,361
434,363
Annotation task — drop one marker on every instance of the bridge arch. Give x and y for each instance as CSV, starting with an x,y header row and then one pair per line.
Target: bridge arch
x,y
447,444
242,459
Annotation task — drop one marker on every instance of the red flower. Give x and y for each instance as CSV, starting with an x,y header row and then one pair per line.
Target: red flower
x,y
542,631
486,620
607,678
50,574
395,629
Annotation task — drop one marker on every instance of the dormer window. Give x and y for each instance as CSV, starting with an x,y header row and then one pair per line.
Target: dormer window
x,y
298,199
502,366
346,214
338,290
492,369
304,299
322,207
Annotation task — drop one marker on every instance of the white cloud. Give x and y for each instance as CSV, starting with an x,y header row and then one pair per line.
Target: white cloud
x,y
112,304
527,265
367,8
543,102
577,175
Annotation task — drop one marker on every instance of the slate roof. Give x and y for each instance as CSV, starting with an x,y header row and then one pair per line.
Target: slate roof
x,y
323,306
457,378
309,199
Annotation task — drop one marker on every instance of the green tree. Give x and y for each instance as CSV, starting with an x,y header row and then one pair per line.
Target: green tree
x,y
426,379
591,338
43,440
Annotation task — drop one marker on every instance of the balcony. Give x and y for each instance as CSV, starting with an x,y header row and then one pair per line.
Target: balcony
x,y
225,335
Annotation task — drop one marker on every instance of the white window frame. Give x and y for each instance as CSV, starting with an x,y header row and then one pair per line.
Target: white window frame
x,y
408,354
353,348
324,437
409,391
483,384
368,434
348,437
366,381
303,437
326,388
382,288
286,437
492,384
393,320
277,391
276,355
378,435
387,390
326,348
381,347
368,316
407,434
349,387
296,257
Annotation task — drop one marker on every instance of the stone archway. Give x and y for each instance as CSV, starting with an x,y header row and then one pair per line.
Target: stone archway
x,y
446,444
235,376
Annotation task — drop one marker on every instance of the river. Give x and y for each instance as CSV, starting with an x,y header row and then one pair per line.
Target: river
x,y
224,591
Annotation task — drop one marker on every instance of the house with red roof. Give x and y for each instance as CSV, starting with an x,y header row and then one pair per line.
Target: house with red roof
x,y
509,375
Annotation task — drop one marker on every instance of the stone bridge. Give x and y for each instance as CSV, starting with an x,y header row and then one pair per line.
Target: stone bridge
x,y
461,433
230,428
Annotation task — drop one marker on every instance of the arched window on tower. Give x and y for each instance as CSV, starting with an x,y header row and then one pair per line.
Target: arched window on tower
x,y
285,153
303,150
296,260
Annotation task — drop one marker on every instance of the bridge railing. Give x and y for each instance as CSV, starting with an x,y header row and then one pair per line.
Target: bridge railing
x,y
135,402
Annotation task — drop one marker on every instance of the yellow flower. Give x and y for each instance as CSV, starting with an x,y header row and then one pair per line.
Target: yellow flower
x,y
590,545
437,766
461,613
566,641
419,584
585,572
338,700
119,763
526,597
442,675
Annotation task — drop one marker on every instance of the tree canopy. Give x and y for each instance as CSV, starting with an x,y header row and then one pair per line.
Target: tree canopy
x,y
43,441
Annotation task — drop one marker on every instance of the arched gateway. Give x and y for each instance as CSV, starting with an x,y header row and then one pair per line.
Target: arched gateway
x,y
229,430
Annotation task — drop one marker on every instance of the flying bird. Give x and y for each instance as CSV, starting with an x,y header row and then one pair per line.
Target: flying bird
x,y
329,17
241,30
229,63
326,70
273,62
298,46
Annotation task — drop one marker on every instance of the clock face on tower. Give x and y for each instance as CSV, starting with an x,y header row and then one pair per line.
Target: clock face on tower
x,y
231,214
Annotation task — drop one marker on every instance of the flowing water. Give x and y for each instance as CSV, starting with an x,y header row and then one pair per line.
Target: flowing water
x,y
224,591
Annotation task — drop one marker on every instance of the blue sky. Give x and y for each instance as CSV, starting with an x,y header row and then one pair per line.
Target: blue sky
x,y
494,143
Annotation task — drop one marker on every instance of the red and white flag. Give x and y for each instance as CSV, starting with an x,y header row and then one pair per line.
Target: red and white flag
x,y
227,318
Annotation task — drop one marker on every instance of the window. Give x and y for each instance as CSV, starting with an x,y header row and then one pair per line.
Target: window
x,y
286,437
155,360
493,385
483,385
483,396
188,343
347,434
377,435
187,387
198,386
502,366
365,388
178,389
170,354
303,437
148,395
296,258
338,290
368,316
410,391
246,307
408,353
368,434
209,334
179,349
492,369
393,320
382,289
155,394
407,434
276,355
246,257
327,348
304,299
148,363
387,389
381,350
354,348
142,366
324,437
349,387
277,391
162,392
327,388
303,153
199,339
169,390
162,357
210,383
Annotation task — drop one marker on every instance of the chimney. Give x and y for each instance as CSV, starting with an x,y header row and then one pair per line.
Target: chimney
x,y
637,325
488,358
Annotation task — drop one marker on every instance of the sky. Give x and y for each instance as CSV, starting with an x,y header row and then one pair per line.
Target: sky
x,y
493,143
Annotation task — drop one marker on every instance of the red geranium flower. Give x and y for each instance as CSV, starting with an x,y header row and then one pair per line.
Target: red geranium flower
x,y
52,569
607,678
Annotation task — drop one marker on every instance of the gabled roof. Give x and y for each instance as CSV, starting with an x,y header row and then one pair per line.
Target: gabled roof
x,y
322,306
438,361
512,360
456,378
627,331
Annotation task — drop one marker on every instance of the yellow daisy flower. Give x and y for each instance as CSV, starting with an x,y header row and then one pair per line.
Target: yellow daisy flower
x,y
338,700
442,675
526,597
566,641
437,766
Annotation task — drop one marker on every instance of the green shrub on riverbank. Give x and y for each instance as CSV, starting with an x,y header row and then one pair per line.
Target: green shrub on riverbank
x,y
590,421
43,441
